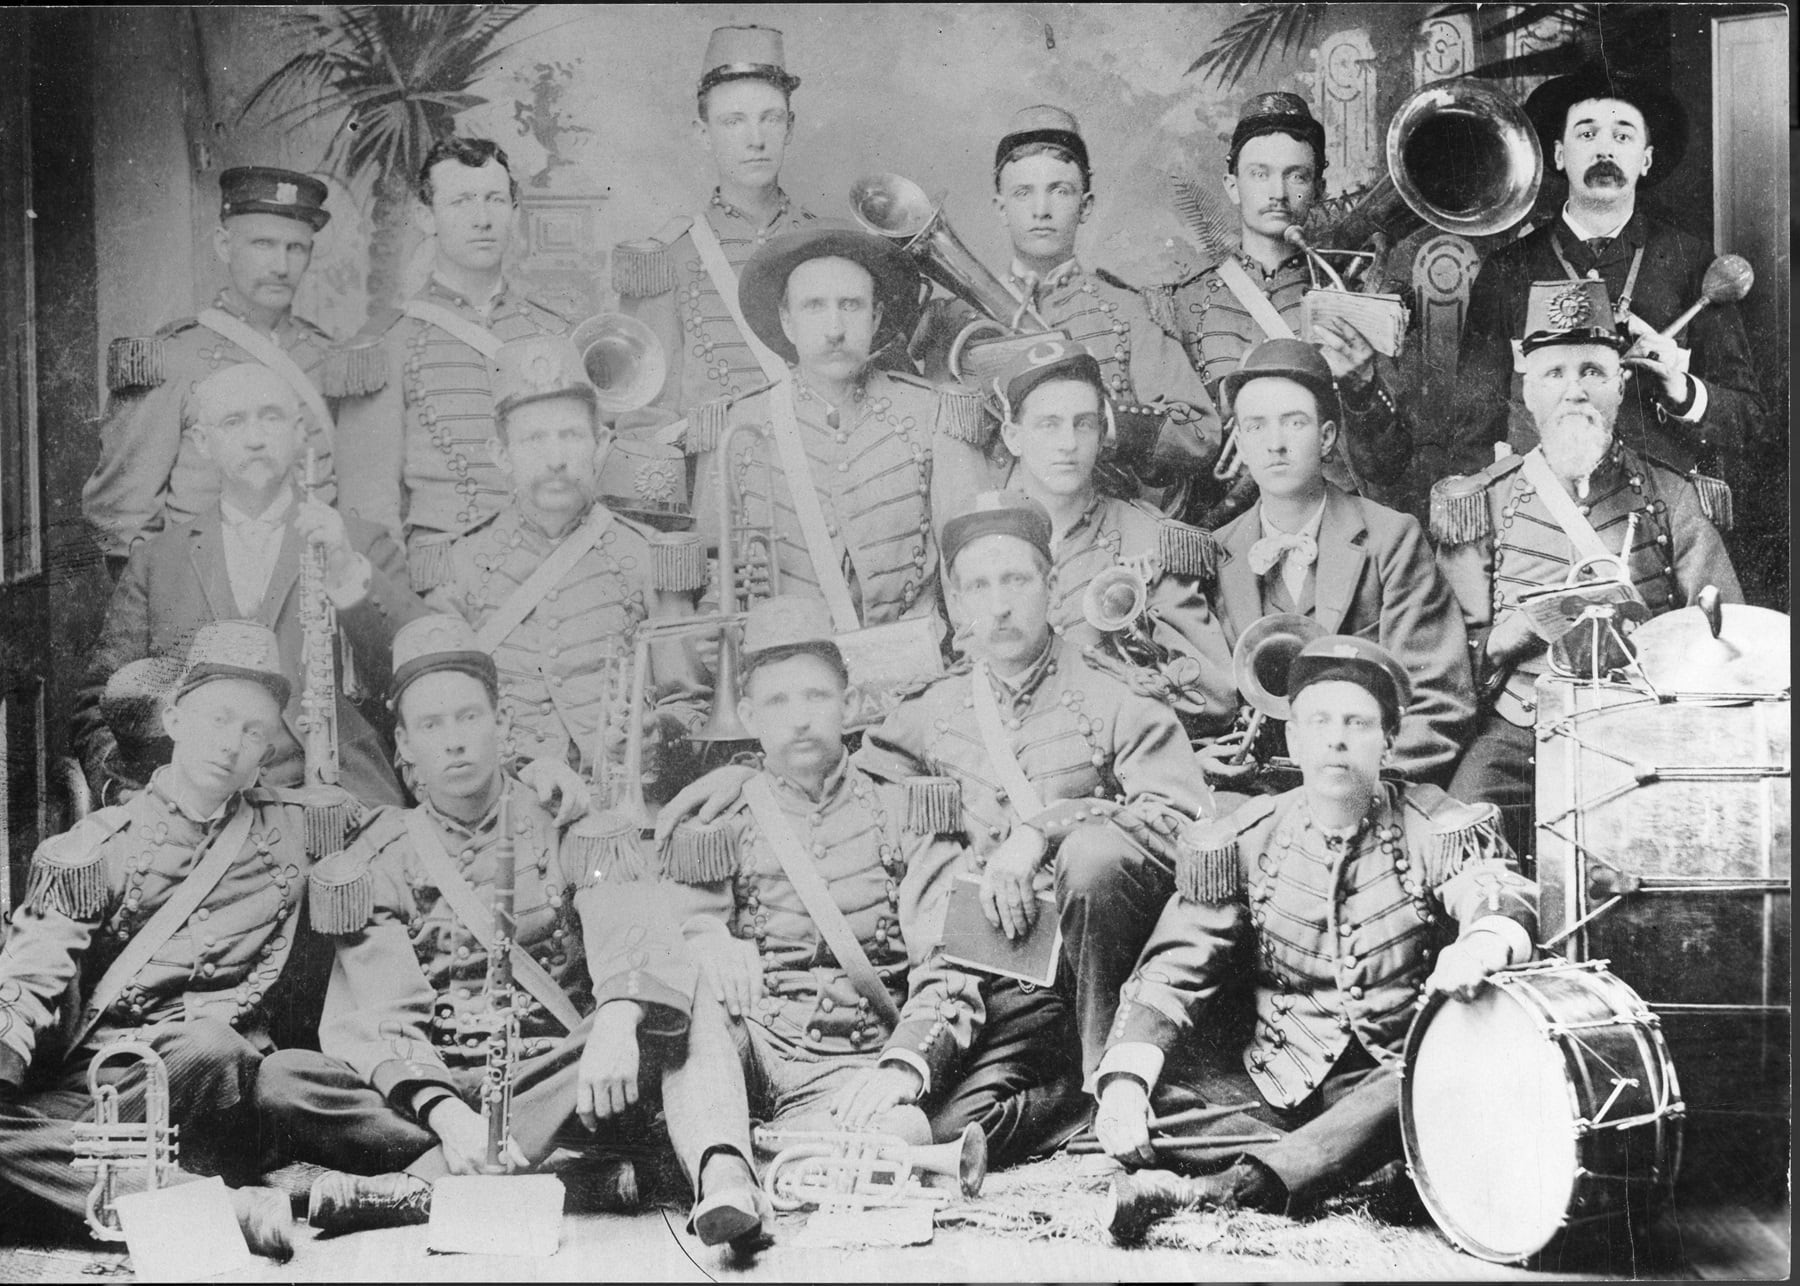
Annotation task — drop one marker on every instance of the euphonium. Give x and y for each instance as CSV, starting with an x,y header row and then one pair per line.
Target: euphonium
x,y
864,1168
1116,604
108,1145
624,359
1259,666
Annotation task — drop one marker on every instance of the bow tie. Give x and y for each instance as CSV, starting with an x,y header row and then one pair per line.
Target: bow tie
x,y
1270,550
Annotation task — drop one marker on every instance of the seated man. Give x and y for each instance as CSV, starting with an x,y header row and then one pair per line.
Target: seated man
x,y
557,583
1524,522
812,906
610,1010
242,558
1352,565
167,919
1347,888
1056,420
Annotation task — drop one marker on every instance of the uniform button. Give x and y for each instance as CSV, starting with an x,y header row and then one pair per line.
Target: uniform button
x,y
827,1004
1356,993
209,969
203,914
1350,962
843,466
813,1033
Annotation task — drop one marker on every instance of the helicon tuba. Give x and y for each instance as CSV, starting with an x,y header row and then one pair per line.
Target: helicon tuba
x,y
109,1147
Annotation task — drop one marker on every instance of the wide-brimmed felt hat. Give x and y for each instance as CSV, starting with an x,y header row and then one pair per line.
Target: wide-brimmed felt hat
x,y
1664,116
763,283
1292,359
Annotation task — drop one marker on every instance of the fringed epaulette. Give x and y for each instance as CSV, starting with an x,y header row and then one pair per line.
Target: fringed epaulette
x,y
644,268
1186,551
340,895
677,560
1459,510
1207,855
701,854
1460,833
356,368
428,565
135,361
933,805
705,424
605,849
962,416
330,822
1715,499
69,873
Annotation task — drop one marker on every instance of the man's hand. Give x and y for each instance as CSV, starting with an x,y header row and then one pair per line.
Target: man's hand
x,y
1122,1121
704,800
1662,358
873,1091
463,1135
1350,356
1007,897
550,778
732,967
1216,758
608,1083
323,528
1513,639
1463,966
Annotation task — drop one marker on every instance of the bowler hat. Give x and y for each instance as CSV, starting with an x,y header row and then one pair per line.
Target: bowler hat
x,y
1664,116
1291,359
763,284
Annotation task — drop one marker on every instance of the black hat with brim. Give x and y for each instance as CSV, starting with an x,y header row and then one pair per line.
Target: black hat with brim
x,y
763,284
1664,116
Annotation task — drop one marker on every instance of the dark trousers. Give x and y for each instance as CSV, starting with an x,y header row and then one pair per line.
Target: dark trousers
x,y
1021,1083
1346,1128
211,1069
320,1110
1500,768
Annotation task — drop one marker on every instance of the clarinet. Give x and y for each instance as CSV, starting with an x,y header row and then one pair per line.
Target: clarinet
x,y
327,823
503,1035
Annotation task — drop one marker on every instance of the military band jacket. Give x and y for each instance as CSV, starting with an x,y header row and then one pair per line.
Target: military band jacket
x,y
886,874
1345,931
1727,437
179,582
408,992
150,475
416,420
874,479
95,886
564,668
1095,750
1497,539
1216,331
662,282
1375,577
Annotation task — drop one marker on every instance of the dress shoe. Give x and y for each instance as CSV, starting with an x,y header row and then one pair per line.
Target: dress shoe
x,y
730,1208
352,1202
266,1220
296,1179
1142,1199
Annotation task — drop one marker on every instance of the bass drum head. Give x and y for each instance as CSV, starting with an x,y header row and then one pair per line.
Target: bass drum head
x,y
1488,1114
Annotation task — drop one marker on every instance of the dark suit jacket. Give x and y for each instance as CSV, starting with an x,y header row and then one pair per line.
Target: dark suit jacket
x,y
177,581
1376,578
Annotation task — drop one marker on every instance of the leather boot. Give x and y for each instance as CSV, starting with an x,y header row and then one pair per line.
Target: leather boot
x,y
1142,1199
296,1179
352,1202
266,1220
730,1208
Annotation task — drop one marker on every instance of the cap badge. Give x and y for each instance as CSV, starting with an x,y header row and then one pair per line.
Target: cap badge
x,y
541,370
1045,353
1344,652
287,194
656,482
1570,308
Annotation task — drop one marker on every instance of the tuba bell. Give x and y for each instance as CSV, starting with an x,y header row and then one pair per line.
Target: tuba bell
x,y
624,359
1260,663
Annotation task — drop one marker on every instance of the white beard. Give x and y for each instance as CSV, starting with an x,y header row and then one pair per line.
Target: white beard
x,y
1575,446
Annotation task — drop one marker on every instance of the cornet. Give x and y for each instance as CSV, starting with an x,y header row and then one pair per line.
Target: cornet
x,y
107,1146
860,1169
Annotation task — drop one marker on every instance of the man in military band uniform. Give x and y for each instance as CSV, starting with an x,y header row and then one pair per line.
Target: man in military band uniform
x,y
201,988
1274,176
824,1046
563,639
418,412
149,475
607,1005
823,299
1355,898
686,294
1503,532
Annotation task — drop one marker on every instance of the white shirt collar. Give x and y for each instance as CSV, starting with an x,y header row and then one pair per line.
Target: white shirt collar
x,y
235,517
1311,527
1585,234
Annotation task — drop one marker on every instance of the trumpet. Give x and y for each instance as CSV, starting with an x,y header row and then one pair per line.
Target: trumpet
x,y
107,1146
861,1169
1117,604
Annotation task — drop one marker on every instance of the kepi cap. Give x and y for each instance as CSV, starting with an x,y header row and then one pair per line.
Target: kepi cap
x,y
263,189
1052,357
1292,359
746,53
1041,123
535,368
1279,113
439,641
998,513
1571,312
646,481
787,623
763,283
1350,659
236,650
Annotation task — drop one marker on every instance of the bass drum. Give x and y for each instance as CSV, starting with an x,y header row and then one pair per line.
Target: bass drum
x,y
1547,1103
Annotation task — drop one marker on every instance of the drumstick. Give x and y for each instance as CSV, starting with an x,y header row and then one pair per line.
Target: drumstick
x,y
1091,1147
1191,1116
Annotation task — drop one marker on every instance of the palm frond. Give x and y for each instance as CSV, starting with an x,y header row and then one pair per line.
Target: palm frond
x,y
1265,30
1203,213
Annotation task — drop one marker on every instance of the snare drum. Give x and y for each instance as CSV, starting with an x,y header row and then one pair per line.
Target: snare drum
x,y
1548,1102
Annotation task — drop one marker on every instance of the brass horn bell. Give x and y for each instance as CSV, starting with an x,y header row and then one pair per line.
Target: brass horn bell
x,y
1264,652
624,359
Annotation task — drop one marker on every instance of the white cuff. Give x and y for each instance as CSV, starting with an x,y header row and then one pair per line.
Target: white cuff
x,y
1698,409
907,1058
353,587
1510,932
1134,1058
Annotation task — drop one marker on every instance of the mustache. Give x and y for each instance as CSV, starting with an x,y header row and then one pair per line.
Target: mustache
x,y
1603,170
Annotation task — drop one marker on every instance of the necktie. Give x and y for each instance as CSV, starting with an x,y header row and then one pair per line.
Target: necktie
x,y
1271,550
1597,245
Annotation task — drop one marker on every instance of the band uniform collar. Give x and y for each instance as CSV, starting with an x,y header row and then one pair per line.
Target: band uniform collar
x,y
828,790
1055,279
502,292
783,207
487,821
159,786
1021,685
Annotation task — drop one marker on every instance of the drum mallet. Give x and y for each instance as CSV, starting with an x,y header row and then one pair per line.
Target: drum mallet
x,y
1728,279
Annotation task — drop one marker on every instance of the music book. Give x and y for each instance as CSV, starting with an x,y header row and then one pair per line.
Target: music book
x,y
973,943
1382,319
1553,610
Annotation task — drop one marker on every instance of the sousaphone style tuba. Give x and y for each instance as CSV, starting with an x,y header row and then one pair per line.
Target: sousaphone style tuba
x,y
624,359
